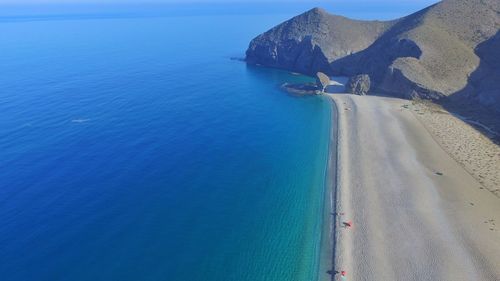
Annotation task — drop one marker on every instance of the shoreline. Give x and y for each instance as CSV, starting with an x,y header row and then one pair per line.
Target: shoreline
x,y
327,243
417,213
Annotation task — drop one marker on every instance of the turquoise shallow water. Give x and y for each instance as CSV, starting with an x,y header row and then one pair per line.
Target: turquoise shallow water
x,y
134,149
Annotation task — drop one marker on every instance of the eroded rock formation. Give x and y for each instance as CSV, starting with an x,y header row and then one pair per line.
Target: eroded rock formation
x,y
449,49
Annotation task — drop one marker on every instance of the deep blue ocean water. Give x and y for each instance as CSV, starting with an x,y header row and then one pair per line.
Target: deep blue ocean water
x,y
135,149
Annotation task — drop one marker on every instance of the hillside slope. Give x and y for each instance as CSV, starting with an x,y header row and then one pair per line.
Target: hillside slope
x,y
449,49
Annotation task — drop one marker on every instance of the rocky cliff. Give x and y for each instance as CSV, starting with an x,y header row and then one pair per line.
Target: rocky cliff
x,y
450,49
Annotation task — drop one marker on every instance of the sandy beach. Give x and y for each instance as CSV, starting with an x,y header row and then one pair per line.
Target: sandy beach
x,y
417,212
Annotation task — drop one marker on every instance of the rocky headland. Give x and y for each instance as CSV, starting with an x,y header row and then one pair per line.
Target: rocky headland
x,y
448,52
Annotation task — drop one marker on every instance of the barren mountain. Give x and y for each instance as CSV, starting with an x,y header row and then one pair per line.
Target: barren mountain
x,y
450,49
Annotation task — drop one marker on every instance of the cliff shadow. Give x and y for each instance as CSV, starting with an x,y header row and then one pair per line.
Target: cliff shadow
x,y
310,58
478,103
376,59
302,56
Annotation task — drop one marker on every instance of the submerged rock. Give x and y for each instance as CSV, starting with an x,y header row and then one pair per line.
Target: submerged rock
x,y
301,89
359,85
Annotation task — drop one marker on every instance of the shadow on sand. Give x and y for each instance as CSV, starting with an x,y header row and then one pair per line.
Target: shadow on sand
x,y
478,102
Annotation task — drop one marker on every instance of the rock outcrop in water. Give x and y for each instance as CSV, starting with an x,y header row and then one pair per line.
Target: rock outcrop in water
x,y
450,49
303,89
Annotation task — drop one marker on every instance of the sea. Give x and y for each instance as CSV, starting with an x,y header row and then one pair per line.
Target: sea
x,y
134,146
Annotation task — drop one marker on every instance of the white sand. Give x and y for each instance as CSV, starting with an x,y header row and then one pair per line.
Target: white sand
x,y
409,222
479,156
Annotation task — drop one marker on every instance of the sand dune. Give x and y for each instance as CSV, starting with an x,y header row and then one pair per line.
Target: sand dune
x,y
417,214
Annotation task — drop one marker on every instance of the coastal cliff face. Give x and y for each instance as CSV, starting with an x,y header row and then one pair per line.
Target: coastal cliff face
x,y
309,42
450,49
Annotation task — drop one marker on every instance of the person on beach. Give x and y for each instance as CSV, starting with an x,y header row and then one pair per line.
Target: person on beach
x,y
347,224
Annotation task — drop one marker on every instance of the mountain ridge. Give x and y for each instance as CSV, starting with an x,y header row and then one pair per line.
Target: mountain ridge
x,y
447,50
